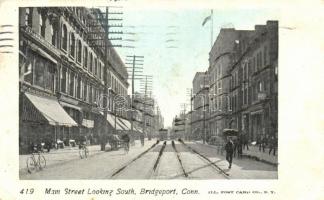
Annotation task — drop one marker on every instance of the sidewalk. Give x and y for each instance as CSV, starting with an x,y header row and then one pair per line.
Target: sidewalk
x,y
57,156
254,153
60,156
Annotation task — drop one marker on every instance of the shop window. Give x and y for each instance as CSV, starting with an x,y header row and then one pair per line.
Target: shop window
x,y
49,75
39,73
64,37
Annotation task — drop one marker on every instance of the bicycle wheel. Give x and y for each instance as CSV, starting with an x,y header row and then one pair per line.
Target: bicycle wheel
x,y
31,164
86,152
41,161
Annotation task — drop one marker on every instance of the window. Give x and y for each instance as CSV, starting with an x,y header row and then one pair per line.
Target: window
x,y
100,70
85,57
79,51
49,75
79,95
95,68
53,35
28,17
72,84
260,54
265,52
64,37
39,72
90,94
85,91
41,25
90,65
63,80
72,45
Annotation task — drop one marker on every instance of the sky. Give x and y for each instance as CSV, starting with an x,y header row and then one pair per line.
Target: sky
x,y
175,46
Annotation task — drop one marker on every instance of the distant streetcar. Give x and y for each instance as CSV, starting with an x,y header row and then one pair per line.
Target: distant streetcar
x,y
163,134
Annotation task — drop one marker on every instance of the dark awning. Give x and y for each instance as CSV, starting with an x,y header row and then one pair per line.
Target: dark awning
x,y
51,110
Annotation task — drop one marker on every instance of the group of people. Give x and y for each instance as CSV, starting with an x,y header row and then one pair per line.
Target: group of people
x,y
235,147
265,141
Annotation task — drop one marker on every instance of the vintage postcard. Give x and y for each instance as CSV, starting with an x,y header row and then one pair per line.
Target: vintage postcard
x,y
159,99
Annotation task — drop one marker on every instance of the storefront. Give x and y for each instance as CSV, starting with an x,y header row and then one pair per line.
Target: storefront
x,y
41,118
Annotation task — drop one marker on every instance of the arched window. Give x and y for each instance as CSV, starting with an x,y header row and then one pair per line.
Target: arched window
x,y
79,51
53,34
72,45
28,17
41,25
85,57
90,64
64,37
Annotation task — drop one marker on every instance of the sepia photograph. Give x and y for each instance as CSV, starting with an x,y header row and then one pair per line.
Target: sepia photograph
x,y
113,93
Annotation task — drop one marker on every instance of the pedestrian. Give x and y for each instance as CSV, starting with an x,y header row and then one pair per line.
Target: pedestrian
x,y
259,142
229,148
235,142
273,145
264,143
246,141
239,147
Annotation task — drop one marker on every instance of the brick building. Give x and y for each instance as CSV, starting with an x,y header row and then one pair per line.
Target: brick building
x,y
63,75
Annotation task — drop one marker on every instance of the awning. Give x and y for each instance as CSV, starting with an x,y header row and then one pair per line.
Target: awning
x,y
121,124
88,123
51,110
42,53
111,121
126,123
70,106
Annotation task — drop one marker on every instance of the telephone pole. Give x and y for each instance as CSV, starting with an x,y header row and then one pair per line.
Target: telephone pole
x,y
98,37
136,66
147,88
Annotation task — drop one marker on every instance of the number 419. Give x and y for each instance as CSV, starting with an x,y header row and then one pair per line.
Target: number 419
x,y
27,191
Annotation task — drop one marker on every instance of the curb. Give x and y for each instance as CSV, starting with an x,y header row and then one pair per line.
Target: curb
x,y
246,156
24,171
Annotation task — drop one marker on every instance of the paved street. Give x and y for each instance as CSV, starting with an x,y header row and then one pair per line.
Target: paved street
x,y
140,161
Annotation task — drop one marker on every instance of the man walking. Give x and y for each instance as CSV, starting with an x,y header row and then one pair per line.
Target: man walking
x,y
229,148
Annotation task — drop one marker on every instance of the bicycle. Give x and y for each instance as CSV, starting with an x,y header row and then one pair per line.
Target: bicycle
x,y
34,163
83,151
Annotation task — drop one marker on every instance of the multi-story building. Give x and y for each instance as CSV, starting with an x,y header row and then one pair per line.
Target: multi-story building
x,y
200,114
243,81
63,74
254,83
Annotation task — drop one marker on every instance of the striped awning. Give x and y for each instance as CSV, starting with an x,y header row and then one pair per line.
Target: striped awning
x,y
51,110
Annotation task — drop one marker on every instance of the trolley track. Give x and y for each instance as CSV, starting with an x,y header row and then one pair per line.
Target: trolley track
x,y
118,171
224,173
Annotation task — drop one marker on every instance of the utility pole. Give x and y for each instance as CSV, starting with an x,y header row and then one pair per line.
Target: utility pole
x,y
147,86
98,36
136,63
184,105
189,92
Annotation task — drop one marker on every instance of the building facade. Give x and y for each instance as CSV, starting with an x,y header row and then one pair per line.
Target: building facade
x,y
200,99
243,74
63,74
